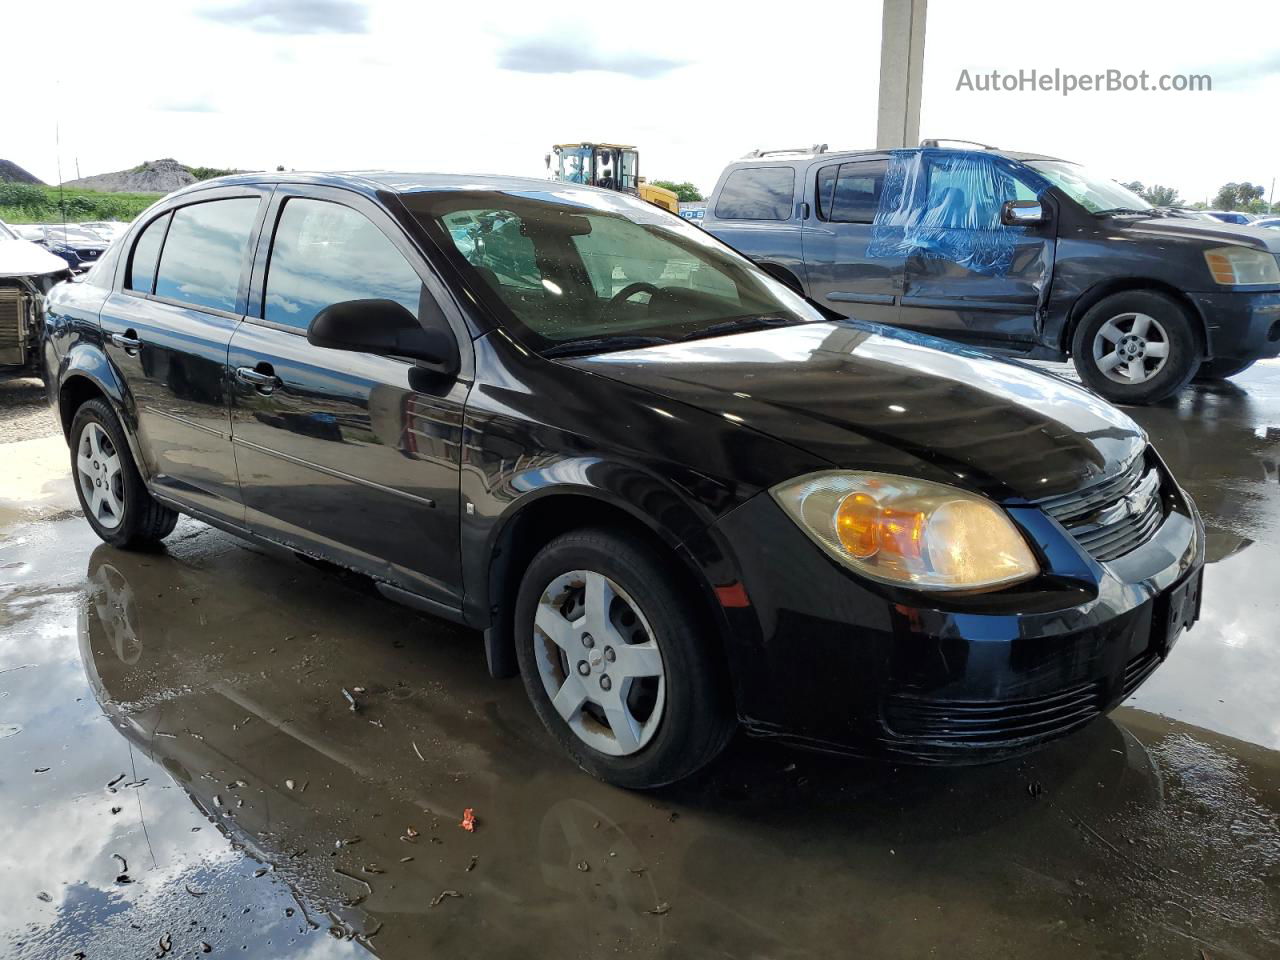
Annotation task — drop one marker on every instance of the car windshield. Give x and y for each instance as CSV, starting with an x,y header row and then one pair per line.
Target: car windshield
x,y
571,268
72,235
1095,193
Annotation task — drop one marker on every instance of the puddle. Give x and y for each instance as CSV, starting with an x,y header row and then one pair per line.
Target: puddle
x,y
186,709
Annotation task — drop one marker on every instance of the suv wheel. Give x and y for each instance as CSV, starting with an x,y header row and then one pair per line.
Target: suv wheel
x,y
1136,347
616,662
1222,369
114,498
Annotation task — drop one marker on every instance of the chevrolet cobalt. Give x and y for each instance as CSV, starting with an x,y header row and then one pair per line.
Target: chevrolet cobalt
x,y
674,496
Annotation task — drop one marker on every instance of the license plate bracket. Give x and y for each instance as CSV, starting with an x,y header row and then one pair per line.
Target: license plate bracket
x,y
1181,610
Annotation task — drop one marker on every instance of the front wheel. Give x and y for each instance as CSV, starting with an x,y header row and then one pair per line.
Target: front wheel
x,y
617,661
1136,347
1222,369
114,498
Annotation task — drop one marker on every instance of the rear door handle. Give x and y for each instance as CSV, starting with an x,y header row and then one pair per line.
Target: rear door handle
x,y
128,341
262,377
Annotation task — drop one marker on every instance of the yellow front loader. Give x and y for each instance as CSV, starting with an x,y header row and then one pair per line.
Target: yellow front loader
x,y
614,166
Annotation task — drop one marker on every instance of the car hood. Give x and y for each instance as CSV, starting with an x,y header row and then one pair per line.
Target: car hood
x,y
22,258
1212,232
870,397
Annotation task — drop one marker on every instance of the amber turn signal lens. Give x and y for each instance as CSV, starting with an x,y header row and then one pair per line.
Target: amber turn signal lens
x,y
858,525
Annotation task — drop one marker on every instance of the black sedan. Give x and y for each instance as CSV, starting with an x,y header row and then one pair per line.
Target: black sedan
x,y
676,497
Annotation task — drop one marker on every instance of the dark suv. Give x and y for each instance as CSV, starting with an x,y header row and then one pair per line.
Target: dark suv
x,y
1015,252
672,493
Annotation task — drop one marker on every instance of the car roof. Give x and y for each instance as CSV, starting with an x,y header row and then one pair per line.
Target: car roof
x,y
780,157
389,181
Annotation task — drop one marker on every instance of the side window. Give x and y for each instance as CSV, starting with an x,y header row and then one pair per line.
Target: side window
x,y
326,253
142,266
857,191
826,187
967,193
204,252
757,193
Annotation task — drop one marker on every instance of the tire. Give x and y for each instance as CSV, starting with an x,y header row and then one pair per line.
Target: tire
x,y
1161,321
1222,369
115,501
682,719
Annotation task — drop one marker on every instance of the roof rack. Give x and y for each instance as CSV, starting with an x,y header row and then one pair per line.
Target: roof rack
x,y
816,148
941,140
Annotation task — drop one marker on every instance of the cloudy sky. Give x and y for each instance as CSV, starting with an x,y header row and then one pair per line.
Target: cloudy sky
x,y
333,84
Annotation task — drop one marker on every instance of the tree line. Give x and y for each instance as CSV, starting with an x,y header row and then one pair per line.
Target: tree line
x,y
1246,197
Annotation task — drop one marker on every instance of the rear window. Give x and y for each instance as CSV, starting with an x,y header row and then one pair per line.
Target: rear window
x,y
142,266
204,253
850,192
757,193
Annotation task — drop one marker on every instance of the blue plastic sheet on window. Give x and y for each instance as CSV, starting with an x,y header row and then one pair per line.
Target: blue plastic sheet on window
x,y
946,204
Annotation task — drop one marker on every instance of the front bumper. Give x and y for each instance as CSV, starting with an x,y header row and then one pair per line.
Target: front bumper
x,y
1241,325
822,658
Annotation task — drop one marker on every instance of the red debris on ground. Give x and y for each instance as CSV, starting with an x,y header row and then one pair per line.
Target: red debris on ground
x,y
468,820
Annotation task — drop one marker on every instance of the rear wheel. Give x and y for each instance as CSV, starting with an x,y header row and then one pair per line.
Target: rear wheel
x,y
617,661
111,491
1136,347
1222,369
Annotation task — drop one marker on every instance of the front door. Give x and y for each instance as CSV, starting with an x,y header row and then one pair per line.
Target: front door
x,y
167,325
847,270
350,456
969,277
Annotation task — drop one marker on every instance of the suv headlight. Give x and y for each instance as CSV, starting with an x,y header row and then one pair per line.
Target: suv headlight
x,y
913,533
1241,266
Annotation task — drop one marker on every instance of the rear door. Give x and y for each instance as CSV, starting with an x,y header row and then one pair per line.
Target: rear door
x,y
969,277
846,273
167,325
351,456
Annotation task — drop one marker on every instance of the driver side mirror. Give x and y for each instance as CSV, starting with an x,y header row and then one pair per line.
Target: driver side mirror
x,y
1023,213
386,328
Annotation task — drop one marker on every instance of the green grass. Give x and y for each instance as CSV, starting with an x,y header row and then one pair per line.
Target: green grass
x,y
28,203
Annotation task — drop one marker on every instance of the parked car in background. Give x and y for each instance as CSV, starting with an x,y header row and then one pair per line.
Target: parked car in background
x,y
1271,223
674,495
1015,252
33,232
80,248
1186,213
1230,216
27,273
108,230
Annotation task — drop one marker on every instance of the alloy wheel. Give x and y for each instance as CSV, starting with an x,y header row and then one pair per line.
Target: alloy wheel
x,y
101,476
599,662
1131,348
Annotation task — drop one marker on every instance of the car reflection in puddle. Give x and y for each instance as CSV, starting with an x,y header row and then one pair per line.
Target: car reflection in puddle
x,y
230,676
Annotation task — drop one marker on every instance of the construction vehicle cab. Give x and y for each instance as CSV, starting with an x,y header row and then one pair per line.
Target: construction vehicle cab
x,y
613,166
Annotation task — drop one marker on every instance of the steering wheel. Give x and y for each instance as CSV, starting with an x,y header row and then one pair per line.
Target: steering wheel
x,y
629,291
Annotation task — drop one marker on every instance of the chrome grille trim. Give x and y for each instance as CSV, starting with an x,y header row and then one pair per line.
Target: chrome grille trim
x,y
1116,515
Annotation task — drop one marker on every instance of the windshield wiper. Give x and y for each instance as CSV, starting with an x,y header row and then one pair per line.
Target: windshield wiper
x,y
740,325
574,348
1123,211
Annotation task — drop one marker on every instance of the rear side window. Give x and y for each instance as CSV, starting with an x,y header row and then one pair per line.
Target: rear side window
x,y
757,193
850,193
142,266
325,253
204,253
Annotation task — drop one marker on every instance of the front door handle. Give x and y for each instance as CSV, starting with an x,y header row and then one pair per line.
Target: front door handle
x,y
128,341
262,377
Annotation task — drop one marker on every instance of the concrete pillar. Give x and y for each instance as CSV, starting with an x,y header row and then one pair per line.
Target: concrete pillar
x,y
901,70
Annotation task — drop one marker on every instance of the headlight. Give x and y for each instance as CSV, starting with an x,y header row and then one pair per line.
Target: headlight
x,y
1240,266
910,532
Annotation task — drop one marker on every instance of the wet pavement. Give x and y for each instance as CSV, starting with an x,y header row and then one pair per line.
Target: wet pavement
x,y
181,769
